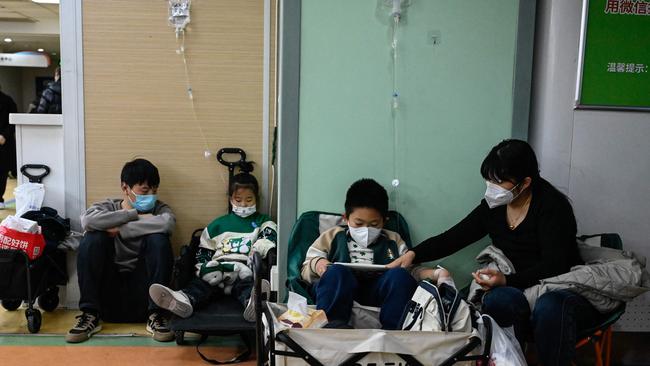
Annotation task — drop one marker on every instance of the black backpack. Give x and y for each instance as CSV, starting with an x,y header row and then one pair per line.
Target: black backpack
x,y
54,227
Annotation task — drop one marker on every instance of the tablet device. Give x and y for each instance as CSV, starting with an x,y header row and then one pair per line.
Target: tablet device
x,y
364,267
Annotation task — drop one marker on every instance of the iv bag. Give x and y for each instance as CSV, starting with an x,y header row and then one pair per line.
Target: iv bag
x,y
179,13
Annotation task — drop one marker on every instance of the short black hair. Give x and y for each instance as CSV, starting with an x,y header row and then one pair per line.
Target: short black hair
x,y
244,179
366,193
140,171
510,160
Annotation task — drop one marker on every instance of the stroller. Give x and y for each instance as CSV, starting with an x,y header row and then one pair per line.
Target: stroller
x,y
224,316
22,279
296,346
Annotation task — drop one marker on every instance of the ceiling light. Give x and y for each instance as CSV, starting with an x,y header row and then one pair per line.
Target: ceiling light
x,y
40,50
8,40
46,1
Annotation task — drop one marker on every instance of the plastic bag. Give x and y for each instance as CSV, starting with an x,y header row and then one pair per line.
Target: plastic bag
x,y
505,350
299,315
30,243
22,225
29,197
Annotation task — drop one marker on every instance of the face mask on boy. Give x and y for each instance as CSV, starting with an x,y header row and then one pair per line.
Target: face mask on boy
x,y
143,202
364,236
496,196
243,211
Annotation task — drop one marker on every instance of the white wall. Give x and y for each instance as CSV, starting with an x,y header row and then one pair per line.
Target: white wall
x,y
11,83
601,159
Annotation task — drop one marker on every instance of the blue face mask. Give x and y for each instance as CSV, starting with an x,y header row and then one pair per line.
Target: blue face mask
x,y
144,202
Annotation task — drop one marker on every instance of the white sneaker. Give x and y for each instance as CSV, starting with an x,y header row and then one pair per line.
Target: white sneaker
x,y
175,301
249,312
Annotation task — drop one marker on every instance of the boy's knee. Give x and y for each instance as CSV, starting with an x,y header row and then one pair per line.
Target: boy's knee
x,y
401,277
92,239
157,241
338,272
339,277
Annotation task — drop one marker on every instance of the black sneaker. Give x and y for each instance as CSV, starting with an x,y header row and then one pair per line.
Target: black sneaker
x,y
158,326
87,325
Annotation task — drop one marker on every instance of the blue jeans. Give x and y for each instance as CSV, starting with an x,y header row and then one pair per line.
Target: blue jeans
x,y
121,296
557,318
339,287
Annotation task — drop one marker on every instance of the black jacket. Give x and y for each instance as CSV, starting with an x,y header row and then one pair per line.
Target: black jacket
x,y
51,99
7,105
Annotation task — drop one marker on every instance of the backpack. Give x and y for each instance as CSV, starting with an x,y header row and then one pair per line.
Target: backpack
x,y
437,309
53,227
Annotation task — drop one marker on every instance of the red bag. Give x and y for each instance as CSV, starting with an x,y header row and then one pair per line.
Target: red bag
x,y
32,244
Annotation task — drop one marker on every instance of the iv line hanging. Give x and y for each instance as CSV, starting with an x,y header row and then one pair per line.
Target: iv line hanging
x,y
179,18
397,9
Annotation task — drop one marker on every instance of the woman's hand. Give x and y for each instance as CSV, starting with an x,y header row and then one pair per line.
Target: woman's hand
x,y
404,261
489,278
321,266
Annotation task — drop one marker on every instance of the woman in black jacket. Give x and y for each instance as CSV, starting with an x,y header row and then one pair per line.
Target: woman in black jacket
x,y
533,224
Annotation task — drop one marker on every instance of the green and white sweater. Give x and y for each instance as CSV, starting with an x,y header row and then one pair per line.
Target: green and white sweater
x,y
227,243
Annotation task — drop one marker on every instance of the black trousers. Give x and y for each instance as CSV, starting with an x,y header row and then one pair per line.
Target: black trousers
x,y
4,170
7,164
121,296
201,293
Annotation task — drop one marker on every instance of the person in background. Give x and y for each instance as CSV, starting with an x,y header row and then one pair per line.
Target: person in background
x,y
125,249
51,98
7,143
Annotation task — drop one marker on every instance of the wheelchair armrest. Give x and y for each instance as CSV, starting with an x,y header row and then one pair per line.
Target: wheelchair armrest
x,y
256,265
271,257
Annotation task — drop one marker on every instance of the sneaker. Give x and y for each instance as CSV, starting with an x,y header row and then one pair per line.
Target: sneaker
x,y
175,301
249,312
158,326
87,325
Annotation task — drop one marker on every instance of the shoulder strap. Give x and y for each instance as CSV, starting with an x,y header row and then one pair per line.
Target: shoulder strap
x,y
237,359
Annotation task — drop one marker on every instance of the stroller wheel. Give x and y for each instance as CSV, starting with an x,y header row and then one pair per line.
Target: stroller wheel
x,y
11,305
180,337
33,320
49,300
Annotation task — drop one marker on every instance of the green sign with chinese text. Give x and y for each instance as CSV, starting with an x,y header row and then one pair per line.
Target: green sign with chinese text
x,y
616,63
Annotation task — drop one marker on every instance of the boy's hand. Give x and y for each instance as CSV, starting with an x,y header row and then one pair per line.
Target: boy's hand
x,y
144,216
489,278
404,261
113,232
2,140
321,266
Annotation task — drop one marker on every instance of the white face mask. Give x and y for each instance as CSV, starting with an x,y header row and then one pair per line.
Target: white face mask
x,y
243,211
364,236
496,196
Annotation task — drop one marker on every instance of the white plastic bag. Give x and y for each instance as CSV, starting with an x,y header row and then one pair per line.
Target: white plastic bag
x,y
505,350
29,197
21,225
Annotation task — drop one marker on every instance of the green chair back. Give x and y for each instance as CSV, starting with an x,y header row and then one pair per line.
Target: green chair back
x,y
308,228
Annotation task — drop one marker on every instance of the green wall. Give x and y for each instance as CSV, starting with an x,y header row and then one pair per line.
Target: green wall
x,y
456,103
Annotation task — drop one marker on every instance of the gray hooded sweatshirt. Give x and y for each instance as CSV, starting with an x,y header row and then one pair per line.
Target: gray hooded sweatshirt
x,y
108,214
